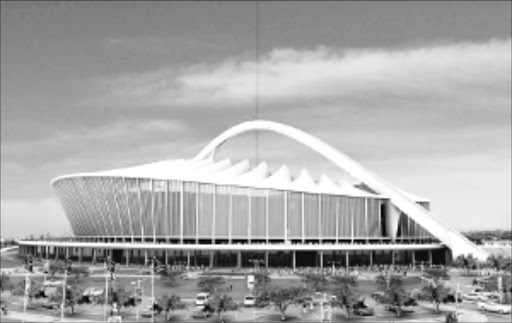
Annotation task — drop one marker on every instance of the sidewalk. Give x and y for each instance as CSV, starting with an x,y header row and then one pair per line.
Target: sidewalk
x,y
464,315
29,317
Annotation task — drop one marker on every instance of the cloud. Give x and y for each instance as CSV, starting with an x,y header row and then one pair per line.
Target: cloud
x,y
438,72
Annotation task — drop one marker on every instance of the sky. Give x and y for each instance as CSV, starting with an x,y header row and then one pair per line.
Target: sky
x,y
417,92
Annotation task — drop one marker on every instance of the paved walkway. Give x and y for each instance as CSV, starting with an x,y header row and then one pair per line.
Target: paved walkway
x,y
464,315
30,317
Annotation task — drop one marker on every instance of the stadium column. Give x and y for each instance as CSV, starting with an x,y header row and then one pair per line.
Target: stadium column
x,y
347,263
294,259
127,256
188,259
321,259
56,252
430,257
80,255
414,258
393,257
211,259
166,257
145,257
94,256
239,259
266,260
371,258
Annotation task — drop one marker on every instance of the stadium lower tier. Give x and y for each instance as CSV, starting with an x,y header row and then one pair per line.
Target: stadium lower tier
x,y
241,255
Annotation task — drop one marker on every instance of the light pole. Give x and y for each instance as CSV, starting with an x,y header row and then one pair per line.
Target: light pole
x,y
63,294
106,294
137,291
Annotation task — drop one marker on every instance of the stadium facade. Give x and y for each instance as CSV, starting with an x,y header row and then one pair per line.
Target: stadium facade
x,y
209,212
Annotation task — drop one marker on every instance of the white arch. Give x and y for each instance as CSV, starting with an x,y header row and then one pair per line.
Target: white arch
x,y
450,237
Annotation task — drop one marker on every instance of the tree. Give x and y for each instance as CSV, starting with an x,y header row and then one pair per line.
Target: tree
x,y
73,296
283,297
394,291
436,274
78,272
211,284
221,304
314,281
5,283
169,275
344,290
120,295
468,262
35,290
55,267
171,303
499,262
435,292
261,282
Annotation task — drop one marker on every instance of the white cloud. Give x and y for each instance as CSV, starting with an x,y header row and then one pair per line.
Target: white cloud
x,y
285,74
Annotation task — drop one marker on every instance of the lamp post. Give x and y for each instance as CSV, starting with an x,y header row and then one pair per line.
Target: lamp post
x,y
137,291
67,267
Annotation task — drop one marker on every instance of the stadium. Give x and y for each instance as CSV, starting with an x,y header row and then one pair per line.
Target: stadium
x,y
219,213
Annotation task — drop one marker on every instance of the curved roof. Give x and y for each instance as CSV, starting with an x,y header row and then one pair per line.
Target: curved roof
x,y
225,172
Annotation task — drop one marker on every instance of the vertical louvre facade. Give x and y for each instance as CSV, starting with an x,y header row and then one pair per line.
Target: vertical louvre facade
x,y
152,209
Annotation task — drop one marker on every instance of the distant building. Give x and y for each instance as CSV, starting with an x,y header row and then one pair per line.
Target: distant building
x,y
203,211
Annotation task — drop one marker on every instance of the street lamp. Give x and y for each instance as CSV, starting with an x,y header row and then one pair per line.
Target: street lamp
x,y
138,292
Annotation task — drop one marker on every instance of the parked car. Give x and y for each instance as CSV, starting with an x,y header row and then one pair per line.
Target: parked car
x,y
202,299
403,309
379,296
480,290
361,309
249,300
475,297
151,311
494,307
200,312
